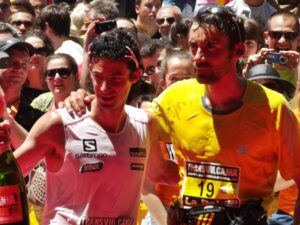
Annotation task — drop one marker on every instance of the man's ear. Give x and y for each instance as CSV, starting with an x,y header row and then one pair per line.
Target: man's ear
x,y
239,49
162,84
136,75
266,36
137,9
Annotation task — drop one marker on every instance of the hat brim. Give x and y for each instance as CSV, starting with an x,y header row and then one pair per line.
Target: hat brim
x,y
26,45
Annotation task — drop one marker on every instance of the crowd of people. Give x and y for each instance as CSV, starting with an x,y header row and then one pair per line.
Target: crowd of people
x,y
187,113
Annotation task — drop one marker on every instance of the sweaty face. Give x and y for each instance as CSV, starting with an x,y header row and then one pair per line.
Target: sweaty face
x,y
164,19
22,21
147,10
111,82
281,24
211,55
15,76
178,69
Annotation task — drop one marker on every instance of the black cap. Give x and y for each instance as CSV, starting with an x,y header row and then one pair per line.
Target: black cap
x,y
266,71
15,42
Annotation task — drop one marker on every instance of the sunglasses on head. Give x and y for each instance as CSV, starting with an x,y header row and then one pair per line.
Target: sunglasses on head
x,y
278,34
20,22
225,13
169,20
62,72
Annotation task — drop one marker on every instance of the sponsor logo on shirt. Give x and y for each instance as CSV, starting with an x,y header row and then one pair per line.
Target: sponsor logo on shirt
x,y
137,152
137,166
106,221
91,167
89,145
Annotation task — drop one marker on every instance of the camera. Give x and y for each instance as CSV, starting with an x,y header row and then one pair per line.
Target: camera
x,y
277,58
105,26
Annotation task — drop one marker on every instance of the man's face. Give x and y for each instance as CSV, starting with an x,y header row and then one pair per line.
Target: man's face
x,y
278,26
22,21
147,10
211,54
111,82
4,10
149,63
178,69
16,75
251,48
164,19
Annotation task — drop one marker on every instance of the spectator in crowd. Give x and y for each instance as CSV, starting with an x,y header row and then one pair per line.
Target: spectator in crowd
x,y
35,83
259,10
38,5
179,33
23,21
115,66
287,5
4,10
281,37
165,17
78,16
146,11
55,23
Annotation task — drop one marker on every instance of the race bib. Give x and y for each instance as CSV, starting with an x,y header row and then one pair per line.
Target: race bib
x,y
210,184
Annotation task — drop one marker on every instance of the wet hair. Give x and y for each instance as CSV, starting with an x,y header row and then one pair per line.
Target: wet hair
x,y
224,21
288,16
114,45
7,28
254,31
43,37
103,8
175,53
72,65
179,27
57,18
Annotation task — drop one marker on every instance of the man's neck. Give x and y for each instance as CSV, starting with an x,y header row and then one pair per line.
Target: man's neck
x,y
148,28
226,94
254,3
57,41
111,120
12,95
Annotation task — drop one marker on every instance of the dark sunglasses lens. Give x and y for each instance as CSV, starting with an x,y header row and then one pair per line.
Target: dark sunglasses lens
x,y
287,35
63,72
40,51
170,20
160,21
290,35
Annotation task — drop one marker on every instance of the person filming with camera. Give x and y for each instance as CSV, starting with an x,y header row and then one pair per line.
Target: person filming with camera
x,y
282,38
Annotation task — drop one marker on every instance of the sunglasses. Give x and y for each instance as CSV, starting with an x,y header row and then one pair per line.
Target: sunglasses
x,y
169,20
40,51
228,18
20,22
62,72
287,35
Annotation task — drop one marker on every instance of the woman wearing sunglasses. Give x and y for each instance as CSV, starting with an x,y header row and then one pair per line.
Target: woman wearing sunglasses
x,y
61,77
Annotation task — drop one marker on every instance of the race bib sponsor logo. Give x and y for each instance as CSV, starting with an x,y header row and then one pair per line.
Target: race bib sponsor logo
x,y
106,221
137,152
137,166
89,145
91,167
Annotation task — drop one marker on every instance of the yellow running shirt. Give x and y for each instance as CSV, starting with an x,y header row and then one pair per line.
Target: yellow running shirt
x,y
234,154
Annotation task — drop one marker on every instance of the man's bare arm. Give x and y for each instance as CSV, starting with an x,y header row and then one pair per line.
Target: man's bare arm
x,y
46,139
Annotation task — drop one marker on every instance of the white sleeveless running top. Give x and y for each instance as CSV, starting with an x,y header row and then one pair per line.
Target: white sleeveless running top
x,y
101,177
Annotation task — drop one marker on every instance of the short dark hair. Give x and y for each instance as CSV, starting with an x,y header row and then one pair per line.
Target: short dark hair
x,y
69,60
57,18
23,6
287,15
179,27
254,31
151,46
114,45
225,21
107,8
